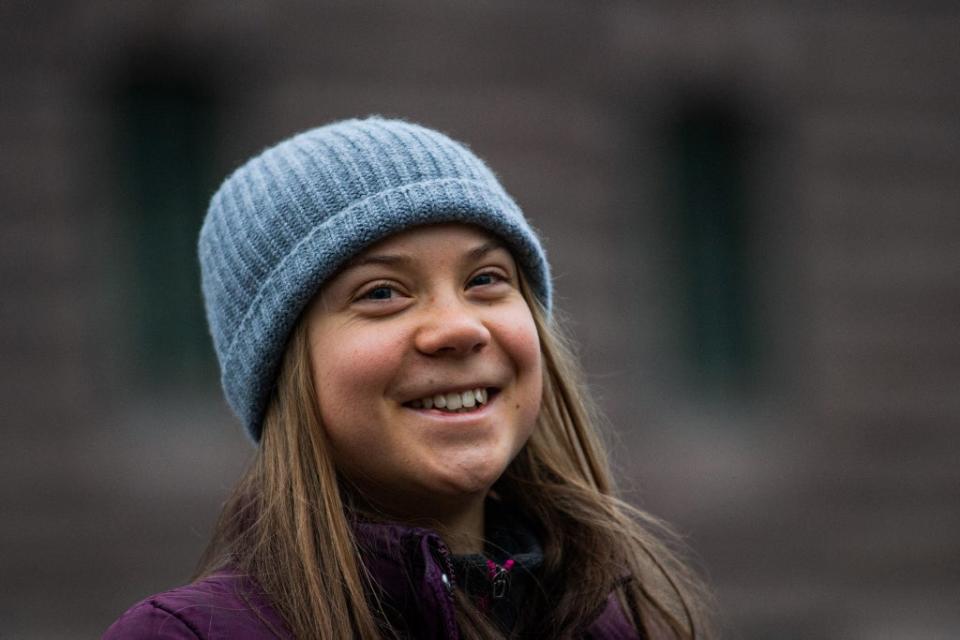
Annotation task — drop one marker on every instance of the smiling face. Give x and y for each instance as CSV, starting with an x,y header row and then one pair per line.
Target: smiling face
x,y
424,322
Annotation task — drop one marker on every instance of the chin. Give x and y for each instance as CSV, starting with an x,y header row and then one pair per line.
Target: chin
x,y
469,479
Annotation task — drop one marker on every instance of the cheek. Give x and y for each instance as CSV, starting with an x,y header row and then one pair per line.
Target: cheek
x,y
351,371
523,344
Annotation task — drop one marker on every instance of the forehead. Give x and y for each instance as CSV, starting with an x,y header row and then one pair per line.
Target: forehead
x,y
448,235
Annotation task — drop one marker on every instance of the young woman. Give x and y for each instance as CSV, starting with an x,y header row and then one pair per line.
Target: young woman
x,y
428,465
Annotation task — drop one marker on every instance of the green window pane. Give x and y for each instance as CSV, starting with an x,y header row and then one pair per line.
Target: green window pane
x,y
164,134
710,222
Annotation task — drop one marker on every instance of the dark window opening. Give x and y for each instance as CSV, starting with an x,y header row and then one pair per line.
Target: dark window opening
x,y
165,118
710,220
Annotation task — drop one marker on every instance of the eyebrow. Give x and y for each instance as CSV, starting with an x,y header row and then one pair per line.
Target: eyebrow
x,y
381,258
485,248
391,259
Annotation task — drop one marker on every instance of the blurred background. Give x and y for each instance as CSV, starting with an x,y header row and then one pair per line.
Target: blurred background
x,y
753,213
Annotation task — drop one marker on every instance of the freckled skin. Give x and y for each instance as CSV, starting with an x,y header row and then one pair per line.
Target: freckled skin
x,y
438,318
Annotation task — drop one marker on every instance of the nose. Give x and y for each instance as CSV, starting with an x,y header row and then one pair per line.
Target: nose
x,y
452,328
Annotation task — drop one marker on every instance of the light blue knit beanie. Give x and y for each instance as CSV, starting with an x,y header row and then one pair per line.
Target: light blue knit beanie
x,y
285,221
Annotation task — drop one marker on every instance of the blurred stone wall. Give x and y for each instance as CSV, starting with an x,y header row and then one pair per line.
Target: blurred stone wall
x,y
821,497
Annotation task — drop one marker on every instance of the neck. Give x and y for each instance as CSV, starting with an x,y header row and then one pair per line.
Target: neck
x,y
459,522
463,532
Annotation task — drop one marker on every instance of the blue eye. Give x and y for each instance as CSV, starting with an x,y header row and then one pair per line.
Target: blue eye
x,y
485,279
379,293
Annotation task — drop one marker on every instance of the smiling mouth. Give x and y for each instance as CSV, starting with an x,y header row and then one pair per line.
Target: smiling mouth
x,y
456,401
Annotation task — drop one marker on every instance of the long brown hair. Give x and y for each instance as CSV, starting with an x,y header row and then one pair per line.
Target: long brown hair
x,y
291,504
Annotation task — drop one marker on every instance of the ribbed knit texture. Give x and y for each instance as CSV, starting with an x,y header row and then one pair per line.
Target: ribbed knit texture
x,y
286,220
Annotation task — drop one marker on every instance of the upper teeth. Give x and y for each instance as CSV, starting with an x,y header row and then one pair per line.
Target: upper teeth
x,y
452,401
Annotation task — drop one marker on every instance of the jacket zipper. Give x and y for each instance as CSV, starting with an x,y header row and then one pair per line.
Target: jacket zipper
x,y
449,583
447,575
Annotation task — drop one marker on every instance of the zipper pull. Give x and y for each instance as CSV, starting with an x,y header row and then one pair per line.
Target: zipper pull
x,y
500,582
500,577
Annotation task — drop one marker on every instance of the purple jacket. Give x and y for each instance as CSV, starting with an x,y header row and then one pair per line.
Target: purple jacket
x,y
230,606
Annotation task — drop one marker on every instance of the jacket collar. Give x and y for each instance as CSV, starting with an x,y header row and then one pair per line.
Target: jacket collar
x,y
414,564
